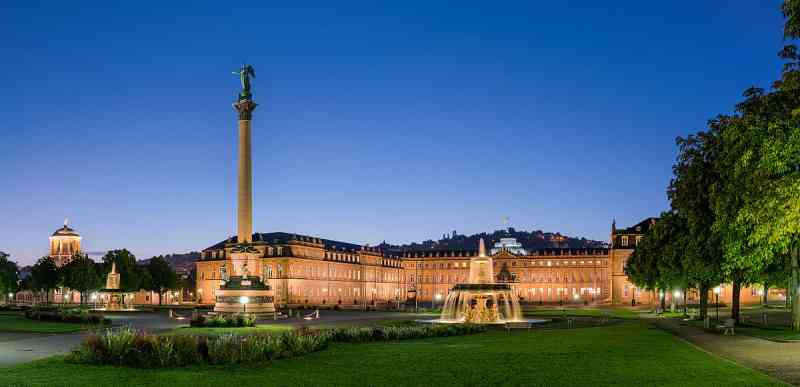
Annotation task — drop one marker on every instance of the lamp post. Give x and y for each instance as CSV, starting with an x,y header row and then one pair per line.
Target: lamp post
x,y
438,298
716,292
244,300
677,295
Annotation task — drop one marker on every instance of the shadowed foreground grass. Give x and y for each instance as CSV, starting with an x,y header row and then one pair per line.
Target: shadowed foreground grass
x,y
579,312
261,328
16,322
626,354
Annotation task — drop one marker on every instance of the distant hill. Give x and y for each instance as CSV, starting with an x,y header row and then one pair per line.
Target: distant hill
x,y
530,240
183,264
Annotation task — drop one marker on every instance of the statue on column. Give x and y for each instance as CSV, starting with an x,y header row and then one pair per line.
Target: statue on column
x,y
244,74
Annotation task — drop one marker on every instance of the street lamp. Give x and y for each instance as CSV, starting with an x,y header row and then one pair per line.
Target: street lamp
x,y
716,292
244,300
438,298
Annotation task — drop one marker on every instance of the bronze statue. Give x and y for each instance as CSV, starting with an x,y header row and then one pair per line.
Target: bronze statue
x,y
244,74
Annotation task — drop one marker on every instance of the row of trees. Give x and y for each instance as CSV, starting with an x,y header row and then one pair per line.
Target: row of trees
x,y
8,275
735,197
84,275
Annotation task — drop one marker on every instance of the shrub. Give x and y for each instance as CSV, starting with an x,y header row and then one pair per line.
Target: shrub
x,y
224,320
224,349
72,315
129,347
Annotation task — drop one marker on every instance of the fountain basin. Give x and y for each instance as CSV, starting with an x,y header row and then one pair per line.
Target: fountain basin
x,y
532,321
482,303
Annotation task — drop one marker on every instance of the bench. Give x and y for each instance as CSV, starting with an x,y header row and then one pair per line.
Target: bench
x,y
727,327
517,325
176,316
312,316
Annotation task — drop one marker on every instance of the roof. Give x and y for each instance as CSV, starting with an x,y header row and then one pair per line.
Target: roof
x,y
282,238
639,228
65,231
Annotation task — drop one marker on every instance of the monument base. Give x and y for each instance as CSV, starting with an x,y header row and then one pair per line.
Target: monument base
x,y
245,295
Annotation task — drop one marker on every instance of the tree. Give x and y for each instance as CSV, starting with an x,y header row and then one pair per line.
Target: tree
x,y
162,275
45,276
81,274
130,273
9,279
188,284
657,262
690,193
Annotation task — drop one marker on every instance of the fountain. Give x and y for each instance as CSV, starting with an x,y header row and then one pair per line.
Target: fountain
x,y
482,300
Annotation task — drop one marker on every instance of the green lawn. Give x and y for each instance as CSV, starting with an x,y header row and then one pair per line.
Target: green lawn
x,y
580,312
630,354
265,328
16,322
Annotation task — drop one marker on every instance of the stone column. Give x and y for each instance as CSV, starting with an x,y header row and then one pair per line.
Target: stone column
x,y
244,217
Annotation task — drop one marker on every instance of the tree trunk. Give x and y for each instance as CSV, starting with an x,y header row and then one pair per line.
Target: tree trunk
x,y
765,296
672,302
160,298
703,288
685,301
737,288
663,300
793,286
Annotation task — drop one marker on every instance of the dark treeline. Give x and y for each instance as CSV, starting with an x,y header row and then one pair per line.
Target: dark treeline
x,y
734,196
84,275
529,239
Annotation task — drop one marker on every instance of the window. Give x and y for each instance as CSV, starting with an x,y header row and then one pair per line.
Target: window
x,y
624,240
638,239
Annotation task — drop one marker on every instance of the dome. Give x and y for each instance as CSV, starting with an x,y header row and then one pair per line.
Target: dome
x,y
65,231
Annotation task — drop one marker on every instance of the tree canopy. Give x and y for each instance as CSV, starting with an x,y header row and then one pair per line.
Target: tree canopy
x,y
9,280
82,274
162,276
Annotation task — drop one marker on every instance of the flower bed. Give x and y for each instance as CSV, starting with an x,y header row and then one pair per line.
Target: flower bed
x,y
223,321
128,347
72,315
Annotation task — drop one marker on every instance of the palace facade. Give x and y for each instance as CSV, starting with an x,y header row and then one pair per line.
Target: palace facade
x,y
306,271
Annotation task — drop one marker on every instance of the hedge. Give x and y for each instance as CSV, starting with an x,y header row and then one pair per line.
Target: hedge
x,y
129,347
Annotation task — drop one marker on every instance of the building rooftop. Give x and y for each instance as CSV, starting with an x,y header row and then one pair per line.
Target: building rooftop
x,y
281,238
65,231
642,227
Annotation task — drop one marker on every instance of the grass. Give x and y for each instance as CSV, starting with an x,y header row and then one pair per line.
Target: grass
x,y
263,328
16,322
624,354
580,312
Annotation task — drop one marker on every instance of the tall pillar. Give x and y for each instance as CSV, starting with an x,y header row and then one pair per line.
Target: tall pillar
x,y
243,290
245,107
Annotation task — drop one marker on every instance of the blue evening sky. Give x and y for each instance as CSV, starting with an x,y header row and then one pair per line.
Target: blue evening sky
x,y
394,121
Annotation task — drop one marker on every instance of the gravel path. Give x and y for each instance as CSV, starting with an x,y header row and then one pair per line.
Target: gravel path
x,y
780,360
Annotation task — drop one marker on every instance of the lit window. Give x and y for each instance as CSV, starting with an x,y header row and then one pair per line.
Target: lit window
x,y
624,240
